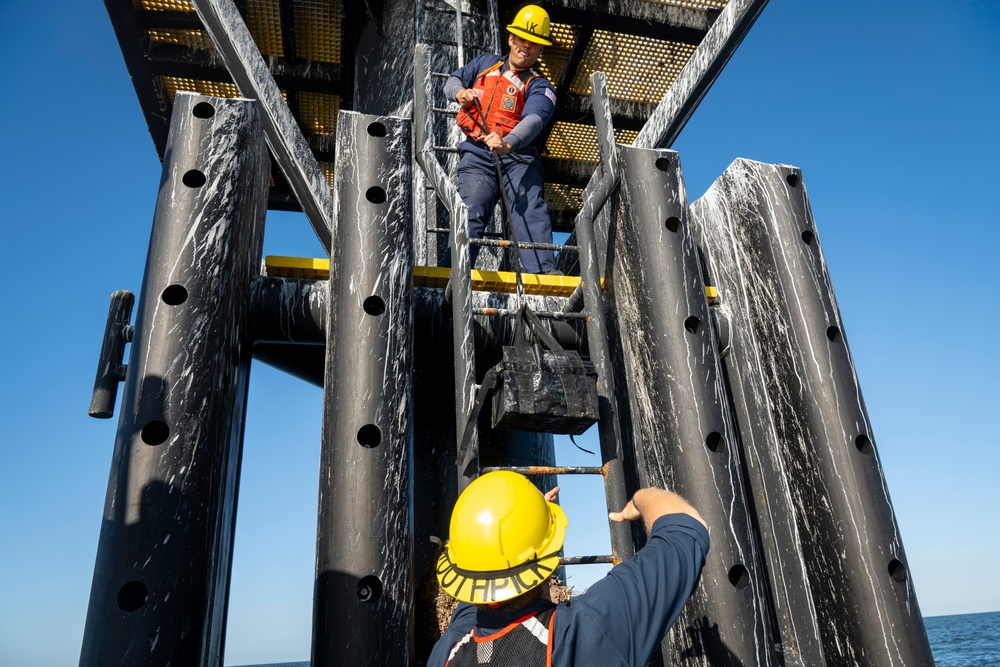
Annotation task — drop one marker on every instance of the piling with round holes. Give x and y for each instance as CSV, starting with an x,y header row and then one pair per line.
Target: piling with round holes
x,y
674,408
809,446
362,604
161,579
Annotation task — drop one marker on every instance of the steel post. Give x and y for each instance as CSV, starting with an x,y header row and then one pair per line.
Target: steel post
x,y
810,450
362,605
161,580
383,58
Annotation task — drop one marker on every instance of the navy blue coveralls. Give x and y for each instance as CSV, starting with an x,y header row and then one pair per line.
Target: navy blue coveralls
x,y
620,620
477,178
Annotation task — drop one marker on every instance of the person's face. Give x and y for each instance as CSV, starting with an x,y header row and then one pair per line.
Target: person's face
x,y
523,54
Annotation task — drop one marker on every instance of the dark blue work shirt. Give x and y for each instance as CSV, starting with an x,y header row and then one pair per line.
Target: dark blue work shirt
x,y
621,619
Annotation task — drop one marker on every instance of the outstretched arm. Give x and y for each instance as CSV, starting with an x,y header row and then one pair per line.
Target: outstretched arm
x,y
651,503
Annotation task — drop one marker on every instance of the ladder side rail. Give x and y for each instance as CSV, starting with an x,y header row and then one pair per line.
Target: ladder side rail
x,y
463,341
422,133
609,429
458,33
464,346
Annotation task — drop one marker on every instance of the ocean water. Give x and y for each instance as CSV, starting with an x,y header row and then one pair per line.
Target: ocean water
x,y
966,640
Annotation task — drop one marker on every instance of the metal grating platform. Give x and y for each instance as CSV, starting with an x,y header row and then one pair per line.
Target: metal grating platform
x,y
641,44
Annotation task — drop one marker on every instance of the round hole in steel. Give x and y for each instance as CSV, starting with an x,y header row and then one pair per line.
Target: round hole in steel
x,y
863,443
369,588
673,223
833,333
132,596
808,237
897,570
377,129
174,295
692,324
715,441
792,180
739,576
155,432
663,164
193,179
376,195
369,436
203,110
374,305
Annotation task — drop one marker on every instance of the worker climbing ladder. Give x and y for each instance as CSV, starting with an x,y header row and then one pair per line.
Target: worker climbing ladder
x,y
549,358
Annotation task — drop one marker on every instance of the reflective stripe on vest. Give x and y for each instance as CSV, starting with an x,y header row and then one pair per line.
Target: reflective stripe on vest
x,y
525,642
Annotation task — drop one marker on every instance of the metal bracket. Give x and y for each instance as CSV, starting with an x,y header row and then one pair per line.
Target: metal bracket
x,y
110,369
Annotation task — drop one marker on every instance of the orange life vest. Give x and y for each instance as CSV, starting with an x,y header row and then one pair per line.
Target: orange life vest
x,y
501,97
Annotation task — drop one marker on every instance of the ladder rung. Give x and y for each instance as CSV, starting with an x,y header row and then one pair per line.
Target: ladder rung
x,y
441,75
544,314
444,110
438,230
587,560
498,281
476,47
524,246
451,10
552,470
446,149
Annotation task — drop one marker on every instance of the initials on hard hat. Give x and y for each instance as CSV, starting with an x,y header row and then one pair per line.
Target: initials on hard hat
x,y
504,540
532,23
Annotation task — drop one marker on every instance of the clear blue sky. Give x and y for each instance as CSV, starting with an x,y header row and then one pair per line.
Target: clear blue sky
x,y
889,108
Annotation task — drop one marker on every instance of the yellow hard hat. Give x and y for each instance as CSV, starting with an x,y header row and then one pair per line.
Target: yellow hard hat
x,y
532,23
504,540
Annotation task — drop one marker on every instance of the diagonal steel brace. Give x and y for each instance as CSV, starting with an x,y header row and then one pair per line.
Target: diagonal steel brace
x,y
250,72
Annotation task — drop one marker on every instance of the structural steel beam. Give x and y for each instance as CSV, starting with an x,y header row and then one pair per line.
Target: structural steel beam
x,y
699,73
657,13
598,20
252,76
126,23
669,118
179,60
574,108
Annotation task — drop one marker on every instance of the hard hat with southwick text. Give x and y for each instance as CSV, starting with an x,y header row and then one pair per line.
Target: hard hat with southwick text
x,y
504,540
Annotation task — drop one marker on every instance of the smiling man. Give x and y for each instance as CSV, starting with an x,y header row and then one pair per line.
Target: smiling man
x,y
506,103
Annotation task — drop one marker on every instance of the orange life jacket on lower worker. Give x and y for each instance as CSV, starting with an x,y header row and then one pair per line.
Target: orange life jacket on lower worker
x,y
501,97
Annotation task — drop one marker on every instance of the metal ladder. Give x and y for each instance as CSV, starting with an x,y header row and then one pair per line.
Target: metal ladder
x,y
613,469
430,15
